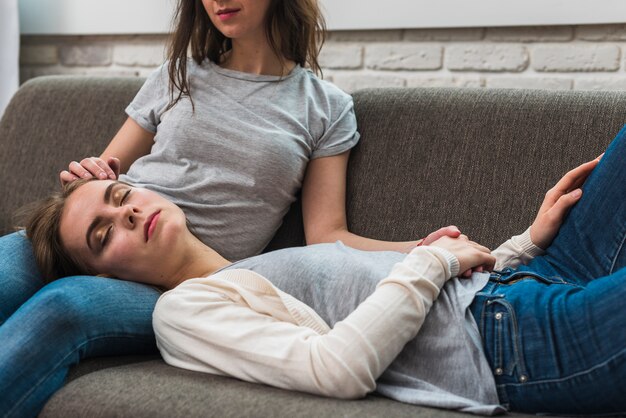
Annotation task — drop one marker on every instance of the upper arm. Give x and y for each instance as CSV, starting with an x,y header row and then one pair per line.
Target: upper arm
x,y
130,143
324,197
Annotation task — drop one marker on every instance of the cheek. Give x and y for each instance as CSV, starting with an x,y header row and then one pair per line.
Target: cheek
x,y
120,257
207,8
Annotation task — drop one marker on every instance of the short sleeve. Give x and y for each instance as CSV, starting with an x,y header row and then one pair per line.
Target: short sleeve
x,y
151,100
341,135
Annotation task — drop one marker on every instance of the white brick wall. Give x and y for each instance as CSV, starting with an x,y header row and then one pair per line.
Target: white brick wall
x,y
486,57
541,57
576,57
403,56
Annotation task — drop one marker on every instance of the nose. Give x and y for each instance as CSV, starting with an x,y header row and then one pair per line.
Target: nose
x,y
128,216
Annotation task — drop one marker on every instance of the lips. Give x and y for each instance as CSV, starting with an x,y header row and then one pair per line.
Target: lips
x,y
226,14
227,11
150,225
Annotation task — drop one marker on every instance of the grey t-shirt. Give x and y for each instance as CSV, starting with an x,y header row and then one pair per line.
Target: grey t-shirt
x,y
444,366
235,164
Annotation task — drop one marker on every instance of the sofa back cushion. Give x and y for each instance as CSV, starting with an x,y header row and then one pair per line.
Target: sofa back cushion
x,y
480,159
50,122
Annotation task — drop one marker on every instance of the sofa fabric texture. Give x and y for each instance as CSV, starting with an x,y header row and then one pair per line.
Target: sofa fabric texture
x,y
479,159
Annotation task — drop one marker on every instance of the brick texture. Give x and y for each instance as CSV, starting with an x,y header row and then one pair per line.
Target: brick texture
x,y
444,35
86,55
341,55
366,36
602,32
352,81
531,34
578,57
537,57
39,54
400,56
139,55
486,57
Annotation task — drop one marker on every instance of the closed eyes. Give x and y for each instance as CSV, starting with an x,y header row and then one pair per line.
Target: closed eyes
x,y
109,231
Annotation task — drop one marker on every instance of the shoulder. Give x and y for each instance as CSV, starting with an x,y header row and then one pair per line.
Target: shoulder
x,y
324,91
217,287
183,296
160,72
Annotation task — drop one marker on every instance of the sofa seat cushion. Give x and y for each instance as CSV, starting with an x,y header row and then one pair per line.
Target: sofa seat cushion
x,y
155,389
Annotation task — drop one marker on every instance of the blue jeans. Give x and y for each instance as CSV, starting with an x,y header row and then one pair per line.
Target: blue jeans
x,y
554,331
44,330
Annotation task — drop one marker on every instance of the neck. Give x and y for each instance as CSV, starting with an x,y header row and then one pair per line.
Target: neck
x,y
255,56
199,261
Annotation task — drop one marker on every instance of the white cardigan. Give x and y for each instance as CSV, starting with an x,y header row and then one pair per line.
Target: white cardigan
x,y
236,323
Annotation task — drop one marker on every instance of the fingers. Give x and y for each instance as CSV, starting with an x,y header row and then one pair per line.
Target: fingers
x,y
572,180
91,167
471,255
114,164
564,204
575,178
483,258
450,231
107,172
474,244
447,231
489,263
66,177
96,167
78,170
468,273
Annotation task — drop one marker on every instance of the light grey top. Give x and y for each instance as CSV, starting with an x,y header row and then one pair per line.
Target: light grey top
x,y
444,366
235,164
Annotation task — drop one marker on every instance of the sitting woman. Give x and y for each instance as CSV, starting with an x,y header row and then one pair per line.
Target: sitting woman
x,y
541,334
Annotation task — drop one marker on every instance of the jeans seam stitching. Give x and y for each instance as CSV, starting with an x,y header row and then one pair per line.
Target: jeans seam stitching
x,y
36,385
517,352
619,250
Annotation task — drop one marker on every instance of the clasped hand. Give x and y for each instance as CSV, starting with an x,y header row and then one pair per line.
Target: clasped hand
x,y
472,257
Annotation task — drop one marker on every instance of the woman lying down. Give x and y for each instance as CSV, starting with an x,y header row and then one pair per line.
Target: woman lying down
x,y
542,333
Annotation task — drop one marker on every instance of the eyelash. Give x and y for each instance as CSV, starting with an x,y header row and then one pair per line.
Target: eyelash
x,y
107,234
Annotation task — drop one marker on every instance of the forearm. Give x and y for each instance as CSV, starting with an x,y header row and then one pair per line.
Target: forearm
x,y
359,349
343,362
130,143
362,243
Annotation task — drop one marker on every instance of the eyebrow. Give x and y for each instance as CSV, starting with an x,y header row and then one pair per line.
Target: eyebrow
x,y
98,219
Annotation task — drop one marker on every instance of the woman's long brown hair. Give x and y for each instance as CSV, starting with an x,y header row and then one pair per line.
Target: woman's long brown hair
x,y
295,30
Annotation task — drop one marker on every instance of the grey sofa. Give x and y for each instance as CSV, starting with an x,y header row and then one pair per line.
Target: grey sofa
x,y
480,159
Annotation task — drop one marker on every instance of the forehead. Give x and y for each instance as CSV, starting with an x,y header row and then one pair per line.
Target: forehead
x,y
88,195
79,210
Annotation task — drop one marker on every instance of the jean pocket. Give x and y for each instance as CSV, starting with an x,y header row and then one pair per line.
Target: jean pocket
x,y
502,341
